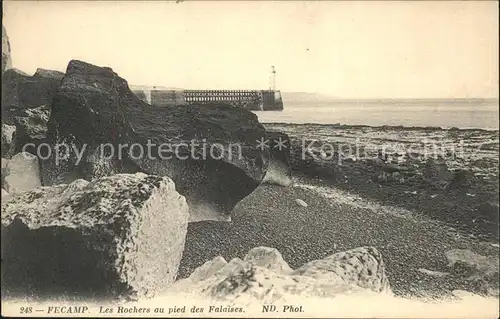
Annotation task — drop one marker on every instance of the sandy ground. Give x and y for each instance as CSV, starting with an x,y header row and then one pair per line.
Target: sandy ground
x,y
271,217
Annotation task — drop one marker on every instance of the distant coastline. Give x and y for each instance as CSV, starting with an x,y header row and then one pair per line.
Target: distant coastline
x,y
294,98
469,114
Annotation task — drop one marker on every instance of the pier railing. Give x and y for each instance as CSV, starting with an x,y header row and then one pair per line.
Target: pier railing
x,y
259,100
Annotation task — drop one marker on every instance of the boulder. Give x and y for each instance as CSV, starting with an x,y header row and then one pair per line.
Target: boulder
x,y
280,170
61,162
488,211
116,237
49,74
21,91
436,173
472,265
21,173
268,258
31,129
301,203
263,276
209,150
8,144
362,267
6,59
307,159
461,179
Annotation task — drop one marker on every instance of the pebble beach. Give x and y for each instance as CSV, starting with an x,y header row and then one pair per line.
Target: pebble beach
x,y
335,221
412,224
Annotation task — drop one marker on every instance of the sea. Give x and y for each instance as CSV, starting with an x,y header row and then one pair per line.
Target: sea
x,y
444,113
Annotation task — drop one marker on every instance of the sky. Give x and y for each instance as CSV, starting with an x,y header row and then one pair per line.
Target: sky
x,y
379,49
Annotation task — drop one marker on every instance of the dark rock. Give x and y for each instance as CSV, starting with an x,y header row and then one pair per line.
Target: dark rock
x,y
51,74
310,162
279,171
210,150
382,155
436,173
119,236
489,211
394,168
31,128
67,160
21,91
462,179
385,177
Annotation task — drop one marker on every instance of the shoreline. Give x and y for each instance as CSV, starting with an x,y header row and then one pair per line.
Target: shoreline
x,y
400,127
456,183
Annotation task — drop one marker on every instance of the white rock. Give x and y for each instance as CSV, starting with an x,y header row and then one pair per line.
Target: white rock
x,y
121,235
204,272
269,258
300,202
361,266
21,173
263,276
433,272
208,269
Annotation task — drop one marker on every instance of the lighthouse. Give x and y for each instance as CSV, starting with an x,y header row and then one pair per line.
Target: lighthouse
x,y
273,79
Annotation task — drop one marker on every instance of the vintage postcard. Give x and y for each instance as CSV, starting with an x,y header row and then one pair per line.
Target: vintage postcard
x,y
302,159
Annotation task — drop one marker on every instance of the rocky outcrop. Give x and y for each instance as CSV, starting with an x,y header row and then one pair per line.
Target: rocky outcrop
x,y
472,265
268,258
6,59
119,236
208,150
49,74
488,211
362,267
436,173
31,129
264,276
311,161
480,270
461,180
20,173
8,145
279,171
21,91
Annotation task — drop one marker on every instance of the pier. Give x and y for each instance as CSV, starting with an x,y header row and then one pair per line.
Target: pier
x,y
255,100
